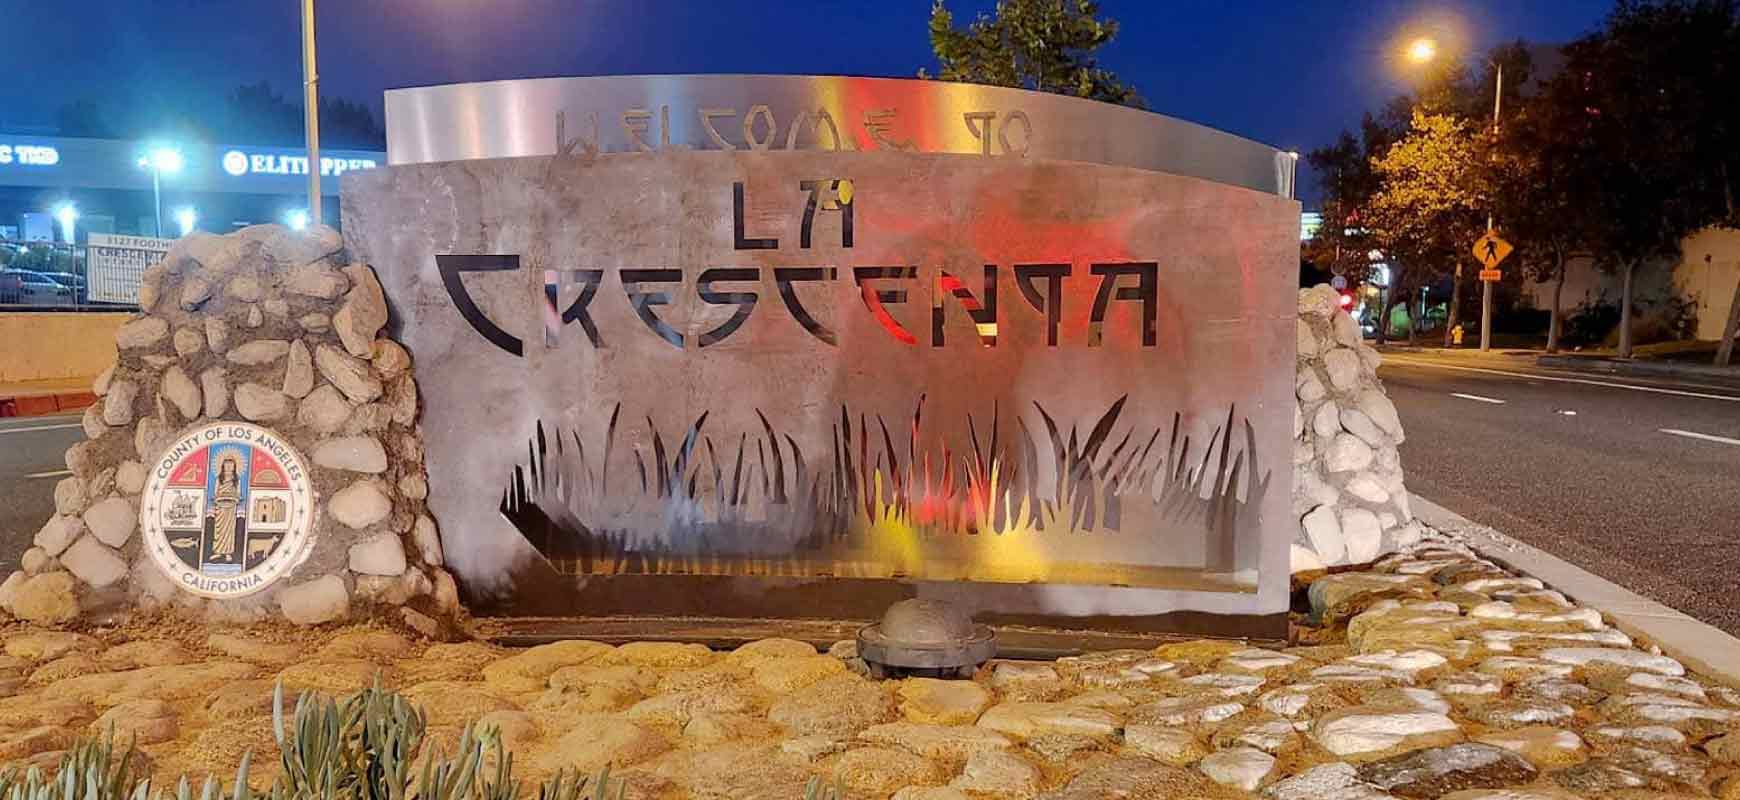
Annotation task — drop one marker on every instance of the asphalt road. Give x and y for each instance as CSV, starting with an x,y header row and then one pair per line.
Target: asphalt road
x,y
32,451
1635,480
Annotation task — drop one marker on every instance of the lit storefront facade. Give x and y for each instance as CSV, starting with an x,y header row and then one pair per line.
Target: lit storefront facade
x,y
107,183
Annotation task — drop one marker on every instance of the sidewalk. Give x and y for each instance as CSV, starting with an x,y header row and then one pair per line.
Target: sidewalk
x,y
37,398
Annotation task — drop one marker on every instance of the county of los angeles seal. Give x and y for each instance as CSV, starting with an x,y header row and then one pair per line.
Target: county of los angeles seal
x,y
227,509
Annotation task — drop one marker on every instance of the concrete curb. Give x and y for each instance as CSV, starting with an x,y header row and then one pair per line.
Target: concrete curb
x,y
1617,366
1699,646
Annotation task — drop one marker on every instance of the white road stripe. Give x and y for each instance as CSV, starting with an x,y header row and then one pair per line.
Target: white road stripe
x,y
1493,400
1537,377
41,428
59,473
1704,436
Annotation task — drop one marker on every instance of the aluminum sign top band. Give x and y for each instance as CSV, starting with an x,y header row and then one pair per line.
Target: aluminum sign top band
x,y
617,114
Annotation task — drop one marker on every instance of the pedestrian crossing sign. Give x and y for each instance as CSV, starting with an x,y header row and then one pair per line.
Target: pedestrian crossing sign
x,y
1489,249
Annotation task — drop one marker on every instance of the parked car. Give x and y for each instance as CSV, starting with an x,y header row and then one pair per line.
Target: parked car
x,y
23,287
71,280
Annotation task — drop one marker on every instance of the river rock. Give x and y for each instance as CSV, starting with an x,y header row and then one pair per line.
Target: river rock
x,y
216,389
260,351
360,505
245,288
363,314
141,332
118,403
1342,365
188,342
941,702
320,600
351,375
1363,533
90,561
998,772
1346,453
70,498
180,391
1365,732
1240,767
381,554
58,533
353,454
1323,529
299,371
1437,771
112,521
389,358
261,404
316,280
217,334
48,599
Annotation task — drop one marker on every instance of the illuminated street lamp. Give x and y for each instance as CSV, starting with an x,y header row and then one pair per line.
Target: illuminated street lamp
x,y
186,217
1420,51
160,160
67,215
297,219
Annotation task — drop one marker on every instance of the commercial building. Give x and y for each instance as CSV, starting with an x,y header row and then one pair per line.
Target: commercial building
x,y
108,184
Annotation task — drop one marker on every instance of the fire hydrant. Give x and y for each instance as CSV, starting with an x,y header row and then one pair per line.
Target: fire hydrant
x,y
1456,336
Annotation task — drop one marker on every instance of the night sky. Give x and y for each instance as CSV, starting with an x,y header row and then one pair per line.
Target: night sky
x,y
1290,74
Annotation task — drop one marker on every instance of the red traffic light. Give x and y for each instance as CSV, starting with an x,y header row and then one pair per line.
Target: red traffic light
x,y
1347,300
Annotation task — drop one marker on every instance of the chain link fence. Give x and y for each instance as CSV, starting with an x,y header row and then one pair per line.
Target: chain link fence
x,y
102,275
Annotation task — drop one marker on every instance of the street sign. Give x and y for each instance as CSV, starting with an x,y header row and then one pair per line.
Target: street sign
x,y
1490,275
1489,250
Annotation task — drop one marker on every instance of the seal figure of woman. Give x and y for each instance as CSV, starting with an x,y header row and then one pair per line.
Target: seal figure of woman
x,y
225,498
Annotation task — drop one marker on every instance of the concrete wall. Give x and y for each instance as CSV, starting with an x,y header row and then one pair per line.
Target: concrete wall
x,y
49,346
1704,274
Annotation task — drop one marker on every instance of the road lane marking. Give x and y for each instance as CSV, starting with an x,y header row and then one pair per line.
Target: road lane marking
x,y
1493,400
1585,381
1704,436
41,428
59,473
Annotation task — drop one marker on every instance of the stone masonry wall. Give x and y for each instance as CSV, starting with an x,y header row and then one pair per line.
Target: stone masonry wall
x,y
1347,476
269,326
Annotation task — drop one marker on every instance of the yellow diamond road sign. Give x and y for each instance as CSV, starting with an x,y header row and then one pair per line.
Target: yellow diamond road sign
x,y
1489,249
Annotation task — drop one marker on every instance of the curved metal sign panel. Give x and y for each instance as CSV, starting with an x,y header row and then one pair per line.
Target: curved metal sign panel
x,y
619,114
807,384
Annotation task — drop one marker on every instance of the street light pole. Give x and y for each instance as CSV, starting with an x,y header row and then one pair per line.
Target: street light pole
x,y
157,197
311,110
1486,286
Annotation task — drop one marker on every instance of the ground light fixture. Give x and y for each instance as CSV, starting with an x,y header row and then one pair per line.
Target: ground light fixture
x,y
186,216
67,215
297,219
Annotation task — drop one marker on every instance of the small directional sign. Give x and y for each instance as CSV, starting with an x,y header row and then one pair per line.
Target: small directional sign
x,y
1491,275
1489,250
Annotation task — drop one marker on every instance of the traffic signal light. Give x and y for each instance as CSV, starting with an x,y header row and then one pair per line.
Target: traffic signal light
x,y
1346,299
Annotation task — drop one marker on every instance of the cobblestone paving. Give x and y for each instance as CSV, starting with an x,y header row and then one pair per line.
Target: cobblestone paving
x,y
1434,674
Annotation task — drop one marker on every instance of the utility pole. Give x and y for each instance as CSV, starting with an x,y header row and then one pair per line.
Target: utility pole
x,y
311,110
1486,286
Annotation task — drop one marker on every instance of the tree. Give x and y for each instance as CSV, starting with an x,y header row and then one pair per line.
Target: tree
x,y
1348,181
257,114
1538,192
1044,45
1643,106
1434,187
